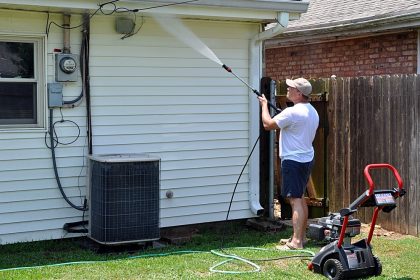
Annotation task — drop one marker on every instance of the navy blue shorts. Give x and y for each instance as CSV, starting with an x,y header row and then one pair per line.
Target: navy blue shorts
x,y
295,177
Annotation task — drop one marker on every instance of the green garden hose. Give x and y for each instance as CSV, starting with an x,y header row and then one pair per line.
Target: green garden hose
x,y
229,258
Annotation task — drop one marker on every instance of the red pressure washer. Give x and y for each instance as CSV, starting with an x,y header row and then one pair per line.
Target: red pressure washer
x,y
340,259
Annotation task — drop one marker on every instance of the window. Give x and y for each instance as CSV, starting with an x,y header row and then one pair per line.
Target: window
x,y
21,82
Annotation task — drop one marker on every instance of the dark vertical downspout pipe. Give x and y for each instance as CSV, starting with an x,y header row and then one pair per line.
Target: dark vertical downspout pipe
x,y
86,79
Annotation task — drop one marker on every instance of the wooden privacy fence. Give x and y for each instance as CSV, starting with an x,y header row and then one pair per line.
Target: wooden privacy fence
x,y
375,120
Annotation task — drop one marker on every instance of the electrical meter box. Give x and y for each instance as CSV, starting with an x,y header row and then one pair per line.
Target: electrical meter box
x,y
66,65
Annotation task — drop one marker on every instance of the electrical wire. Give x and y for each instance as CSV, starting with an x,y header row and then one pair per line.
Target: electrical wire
x,y
55,136
113,10
70,27
101,6
55,132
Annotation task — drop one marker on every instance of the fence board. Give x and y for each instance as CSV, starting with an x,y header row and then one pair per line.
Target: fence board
x,y
338,166
331,144
353,163
348,186
413,177
368,143
358,158
416,192
406,96
397,156
384,90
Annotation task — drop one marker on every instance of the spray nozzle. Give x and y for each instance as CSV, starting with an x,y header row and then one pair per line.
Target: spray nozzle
x,y
227,68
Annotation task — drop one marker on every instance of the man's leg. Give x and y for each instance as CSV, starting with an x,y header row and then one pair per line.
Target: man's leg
x,y
305,225
299,217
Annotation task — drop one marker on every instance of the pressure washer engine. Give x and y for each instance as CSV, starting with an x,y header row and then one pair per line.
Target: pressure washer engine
x,y
341,259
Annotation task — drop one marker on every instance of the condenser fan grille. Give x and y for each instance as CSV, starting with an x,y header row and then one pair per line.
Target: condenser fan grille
x,y
124,200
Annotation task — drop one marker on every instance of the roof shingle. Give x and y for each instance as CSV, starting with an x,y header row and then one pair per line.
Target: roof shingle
x,y
332,12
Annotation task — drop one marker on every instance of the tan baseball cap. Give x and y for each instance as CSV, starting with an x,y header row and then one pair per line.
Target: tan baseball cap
x,y
301,84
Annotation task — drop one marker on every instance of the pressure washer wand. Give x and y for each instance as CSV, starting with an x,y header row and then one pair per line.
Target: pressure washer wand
x,y
253,90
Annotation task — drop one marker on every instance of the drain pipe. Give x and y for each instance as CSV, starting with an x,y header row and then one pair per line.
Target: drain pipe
x,y
255,69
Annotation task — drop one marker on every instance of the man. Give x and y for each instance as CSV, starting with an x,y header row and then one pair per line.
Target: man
x,y
298,125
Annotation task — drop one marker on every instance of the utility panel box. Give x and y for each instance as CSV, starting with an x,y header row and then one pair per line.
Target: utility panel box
x,y
66,65
55,95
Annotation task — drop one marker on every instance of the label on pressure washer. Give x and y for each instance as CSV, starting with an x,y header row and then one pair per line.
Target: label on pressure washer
x,y
352,259
384,199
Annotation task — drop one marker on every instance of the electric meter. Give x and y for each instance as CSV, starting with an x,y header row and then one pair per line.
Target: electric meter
x,y
66,67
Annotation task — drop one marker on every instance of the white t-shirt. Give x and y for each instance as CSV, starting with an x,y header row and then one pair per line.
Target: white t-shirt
x,y
298,125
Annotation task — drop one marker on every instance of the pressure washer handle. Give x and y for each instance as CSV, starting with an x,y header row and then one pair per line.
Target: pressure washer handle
x,y
381,165
277,110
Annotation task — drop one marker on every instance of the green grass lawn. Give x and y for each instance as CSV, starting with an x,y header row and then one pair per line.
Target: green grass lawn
x,y
400,257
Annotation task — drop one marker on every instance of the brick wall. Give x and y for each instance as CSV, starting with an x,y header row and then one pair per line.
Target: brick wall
x,y
385,54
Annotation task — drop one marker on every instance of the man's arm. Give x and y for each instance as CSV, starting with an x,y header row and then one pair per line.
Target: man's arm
x,y
268,122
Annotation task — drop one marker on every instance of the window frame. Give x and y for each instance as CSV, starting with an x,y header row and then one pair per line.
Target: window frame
x,y
39,79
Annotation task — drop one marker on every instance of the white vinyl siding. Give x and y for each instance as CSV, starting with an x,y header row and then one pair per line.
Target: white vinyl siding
x,y
149,94
31,206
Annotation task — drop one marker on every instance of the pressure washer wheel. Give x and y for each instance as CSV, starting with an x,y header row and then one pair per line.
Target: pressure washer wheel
x,y
378,266
333,269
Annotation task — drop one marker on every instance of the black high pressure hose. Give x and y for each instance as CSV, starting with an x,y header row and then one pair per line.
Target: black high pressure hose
x,y
277,111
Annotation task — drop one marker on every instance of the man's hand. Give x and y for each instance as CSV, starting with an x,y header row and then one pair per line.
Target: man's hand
x,y
263,100
268,122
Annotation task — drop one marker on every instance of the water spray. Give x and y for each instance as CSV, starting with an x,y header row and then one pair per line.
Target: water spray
x,y
175,27
277,110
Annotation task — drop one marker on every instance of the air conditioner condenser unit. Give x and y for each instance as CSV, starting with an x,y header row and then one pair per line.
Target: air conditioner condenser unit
x,y
123,198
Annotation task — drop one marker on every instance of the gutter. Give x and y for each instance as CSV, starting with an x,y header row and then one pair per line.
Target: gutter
x,y
255,72
296,6
345,29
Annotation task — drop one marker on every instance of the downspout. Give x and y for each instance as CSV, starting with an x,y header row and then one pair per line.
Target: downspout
x,y
255,69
